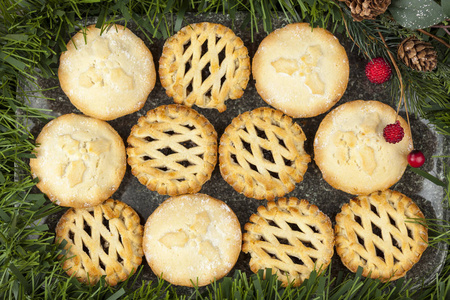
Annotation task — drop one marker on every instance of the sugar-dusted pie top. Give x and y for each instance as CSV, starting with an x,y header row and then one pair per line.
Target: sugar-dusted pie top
x,y
192,238
172,150
351,152
107,73
105,240
80,161
301,71
204,64
384,233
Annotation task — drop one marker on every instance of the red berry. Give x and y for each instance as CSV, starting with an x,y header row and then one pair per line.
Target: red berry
x,y
378,70
393,133
416,158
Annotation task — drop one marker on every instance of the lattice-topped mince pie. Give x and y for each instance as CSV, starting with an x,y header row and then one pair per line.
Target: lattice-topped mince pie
x,y
204,64
290,236
383,233
105,240
261,154
172,150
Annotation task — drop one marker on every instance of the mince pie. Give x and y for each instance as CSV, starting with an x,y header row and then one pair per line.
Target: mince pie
x,y
351,152
80,161
107,72
192,240
261,154
204,64
105,240
172,150
300,70
383,233
292,237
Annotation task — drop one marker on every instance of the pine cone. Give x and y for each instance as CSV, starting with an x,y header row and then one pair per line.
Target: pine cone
x,y
418,55
366,9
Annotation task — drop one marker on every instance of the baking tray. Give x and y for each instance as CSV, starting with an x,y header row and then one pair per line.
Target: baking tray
x,y
427,195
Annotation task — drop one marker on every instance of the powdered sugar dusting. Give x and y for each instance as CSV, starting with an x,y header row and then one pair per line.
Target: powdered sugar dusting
x,y
299,71
78,160
349,144
209,233
113,73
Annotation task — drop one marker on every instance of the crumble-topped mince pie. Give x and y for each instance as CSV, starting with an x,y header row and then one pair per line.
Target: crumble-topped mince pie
x,y
172,150
351,152
192,240
290,236
204,64
261,154
107,73
380,232
80,161
300,70
101,240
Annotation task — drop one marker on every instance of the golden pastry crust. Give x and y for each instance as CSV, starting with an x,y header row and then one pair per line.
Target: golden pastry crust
x,y
192,240
101,240
172,150
204,64
80,161
107,73
351,152
300,70
290,236
261,154
377,233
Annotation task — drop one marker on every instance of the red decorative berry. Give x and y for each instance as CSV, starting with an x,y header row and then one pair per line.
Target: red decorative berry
x,y
393,133
416,158
378,70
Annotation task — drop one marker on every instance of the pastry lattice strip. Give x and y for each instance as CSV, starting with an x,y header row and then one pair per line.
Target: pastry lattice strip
x,y
374,231
207,64
183,145
105,240
269,156
212,49
291,237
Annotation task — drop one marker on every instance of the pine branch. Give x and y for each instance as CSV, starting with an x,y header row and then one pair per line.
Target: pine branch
x,y
426,93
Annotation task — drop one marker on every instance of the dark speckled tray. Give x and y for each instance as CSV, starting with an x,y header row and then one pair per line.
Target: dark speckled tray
x,y
313,188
